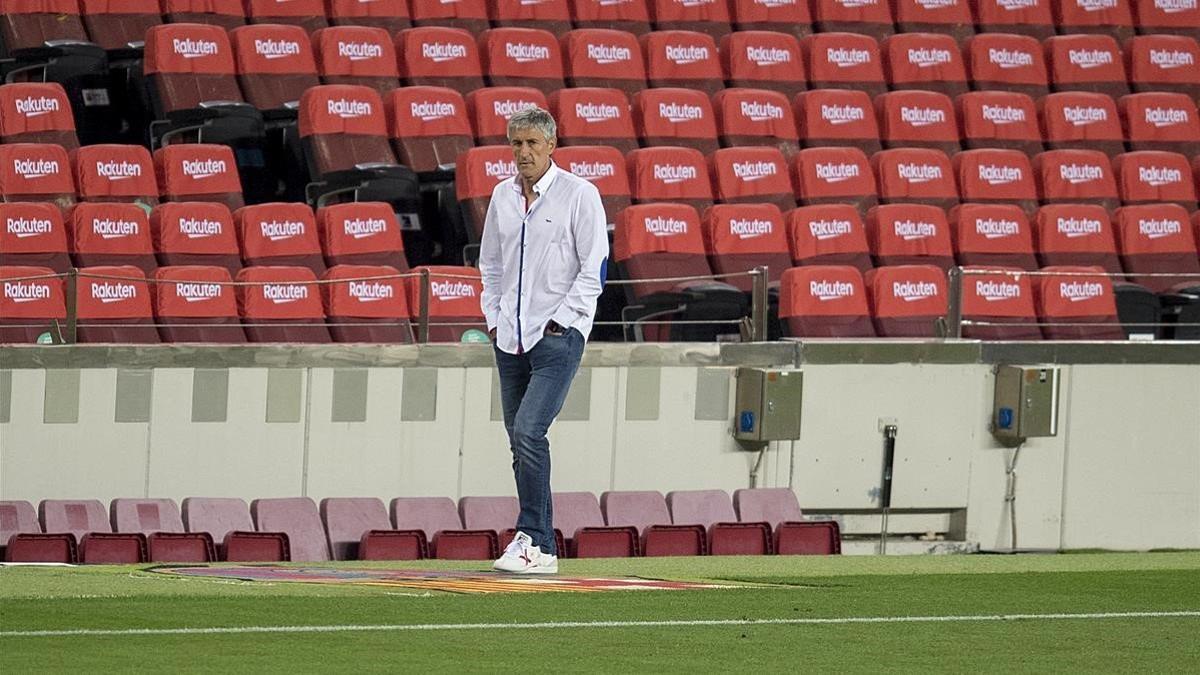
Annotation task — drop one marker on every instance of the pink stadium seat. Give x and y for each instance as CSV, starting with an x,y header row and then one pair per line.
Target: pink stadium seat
x,y
438,519
1081,121
489,513
713,510
754,175
36,172
992,234
228,521
906,300
740,237
1112,17
373,309
779,508
22,538
597,57
453,301
1007,62
837,118
948,17
30,306
489,108
999,119
115,173
1161,121
917,119
521,57
670,174
1065,297
1149,177
159,521
711,18
361,233
834,175
1030,17
1077,235
34,235
274,64
910,234
390,15
1157,239
227,14
429,127
36,112
915,176
593,116
114,305
996,176
1002,300
1079,176
764,59
1164,63
279,233
774,16
439,56
111,234
578,516
198,173
844,61
647,512
681,58
479,170
119,25
196,303
195,233
359,529
828,234
308,14
868,18
604,167
89,524
677,117
1086,63
549,15
282,304
298,517
924,61
824,301
762,117
468,15
632,16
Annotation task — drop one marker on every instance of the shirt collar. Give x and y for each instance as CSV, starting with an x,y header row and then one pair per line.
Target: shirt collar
x,y
543,184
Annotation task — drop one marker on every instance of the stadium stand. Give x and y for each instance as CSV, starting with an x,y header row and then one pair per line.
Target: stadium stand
x,y
359,529
308,14
680,58
1078,176
489,108
439,56
548,15
578,516
713,510
741,237
906,300
1160,121
111,234
36,112
29,306
281,304
437,519
228,14
844,61
36,172
34,235
991,176
676,117
763,59
1112,17
751,175
604,166
915,176
366,306
88,522
1086,63
468,15
647,512
428,127
593,116
521,57
998,305
1065,297
1007,63
1164,63
924,61
873,19
453,301
356,55
195,233
756,117
828,234
196,303
779,508
114,306
837,117
1150,177
597,57
824,301
910,234
159,521
228,520
917,119
115,173
992,234
946,17
998,119
1081,121
299,518
834,175
198,172
669,174
390,15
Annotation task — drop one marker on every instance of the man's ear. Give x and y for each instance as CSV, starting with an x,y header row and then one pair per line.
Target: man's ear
x,y
553,143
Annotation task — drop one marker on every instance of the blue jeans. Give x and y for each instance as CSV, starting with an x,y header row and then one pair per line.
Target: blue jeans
x,y
533,387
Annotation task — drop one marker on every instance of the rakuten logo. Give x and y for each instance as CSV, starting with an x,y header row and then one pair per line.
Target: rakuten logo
x,y
922,117
757,111
26,291
200,169
928,58
752,171
682,55
197,292
749,229
1157,176
996,291
1174,6
1166,117
31,169
194,49
1016,5
37,106
199,228
118,170
280,230
500,169
526,53
451,290
1168,59
428,111
911,230
680,112
1003,114
767,56
1010,58
609,54
371,291
665,227
842,114
1082,116
1096,5
348,108
830,290
829,229
991,228
440,52
1000,175
359,51
284,293
847,58
593,171
770,4
278,49
107,228
919,173
836,173
913,291
1073,228
23,228
1080,291
855,4
1076,174
597,112
674,173
113,291
508,107
937,4
1157,228
1089,58
361,228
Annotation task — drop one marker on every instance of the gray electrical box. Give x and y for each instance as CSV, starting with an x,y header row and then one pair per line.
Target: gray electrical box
x,y
1026,402
768,404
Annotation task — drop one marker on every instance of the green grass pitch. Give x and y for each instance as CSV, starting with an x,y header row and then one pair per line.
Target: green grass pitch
x,y
621,631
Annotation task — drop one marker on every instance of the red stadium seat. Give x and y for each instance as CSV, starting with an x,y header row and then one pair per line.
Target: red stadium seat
x,y
1164,63
111,234
119,25
1106,17
779,508
521,57
669,174
453,301
751,175
1157,239
113,305
992,234
29,305
548,15
647,512
917,119
631,16
998,119
438,520
308,14
196,303
1066,297
228,521
680,58
281,304
429,127
198,173
915,176
343,127
1011,63
1166,17
596,57
490,107
1080,176
390,15
711,17
740,237
677,117
227,14
1149,177
593,116
279,233
191,66
115,173
906,300
359,529
32,24
838,118
757,117
36,172
1000,300
1086,63
762,59
948,17
468,15
299,518
361,233
775,16
925,61
1076,235
844,61
910,234
873,18
1022,17
357,55
274,64
195,233
479,170
828,234
1081,121
33,234
364,308
36,112
824,301
438,56
991,176
713,510
577,515
834,175
1161,121
604,167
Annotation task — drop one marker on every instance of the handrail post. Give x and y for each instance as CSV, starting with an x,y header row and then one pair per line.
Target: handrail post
x,y
954,303
423,320
72,295
758,305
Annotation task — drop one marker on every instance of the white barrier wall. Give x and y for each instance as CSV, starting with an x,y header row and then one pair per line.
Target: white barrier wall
x,y
1123,473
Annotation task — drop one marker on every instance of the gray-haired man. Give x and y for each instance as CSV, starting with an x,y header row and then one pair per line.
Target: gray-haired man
x,y
542,258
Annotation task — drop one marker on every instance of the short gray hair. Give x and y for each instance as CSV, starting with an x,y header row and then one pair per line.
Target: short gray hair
x,y
534,118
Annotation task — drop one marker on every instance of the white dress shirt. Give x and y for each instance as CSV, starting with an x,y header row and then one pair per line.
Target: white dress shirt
x,y
545,264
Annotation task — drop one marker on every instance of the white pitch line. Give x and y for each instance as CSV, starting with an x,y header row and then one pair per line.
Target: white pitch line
x,y
687,623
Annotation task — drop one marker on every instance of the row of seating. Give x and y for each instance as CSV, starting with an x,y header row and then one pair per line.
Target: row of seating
x,y
619,524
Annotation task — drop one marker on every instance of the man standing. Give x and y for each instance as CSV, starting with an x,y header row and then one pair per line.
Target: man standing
x,y
542,259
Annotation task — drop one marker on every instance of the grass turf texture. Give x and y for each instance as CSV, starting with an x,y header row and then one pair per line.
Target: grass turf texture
x,y
803,587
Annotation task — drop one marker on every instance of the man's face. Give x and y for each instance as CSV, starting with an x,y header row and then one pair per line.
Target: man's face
x,y
531,150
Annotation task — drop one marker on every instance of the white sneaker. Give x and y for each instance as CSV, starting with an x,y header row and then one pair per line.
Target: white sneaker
x,y
522,557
